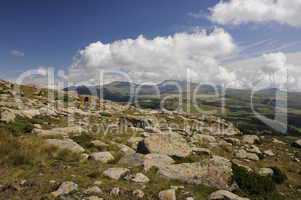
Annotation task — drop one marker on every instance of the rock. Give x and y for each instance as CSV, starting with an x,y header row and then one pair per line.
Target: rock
x,y
297,143
138,193
200,151
116,173
30,113
203,139
233,141
99,144
93,190
59,132
94,198
140,178
103,157
98,183
254,149
189,198
276,141
156,160
250,139
134,141
237,162
269,153
125,149
133,160
167,195
214,172
7,116
171,144
225,195
66,144
242,154
65,188
265,172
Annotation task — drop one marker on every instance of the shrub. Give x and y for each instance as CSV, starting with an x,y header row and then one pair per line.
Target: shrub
x,y
252,183
18,127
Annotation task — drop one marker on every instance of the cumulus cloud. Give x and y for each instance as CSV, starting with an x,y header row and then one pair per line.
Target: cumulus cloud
x,y
237,12
277,70
156,59
17,53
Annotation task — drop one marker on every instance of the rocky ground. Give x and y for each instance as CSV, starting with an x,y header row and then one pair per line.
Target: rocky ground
x,y
62,149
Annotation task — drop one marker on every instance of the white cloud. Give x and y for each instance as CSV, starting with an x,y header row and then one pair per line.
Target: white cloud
x,y
156,59
17,53
269,70
237,12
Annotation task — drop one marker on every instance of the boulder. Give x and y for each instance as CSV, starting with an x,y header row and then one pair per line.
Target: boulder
x,y
103,157
59,132
265,172
225,195
167,195
66,144
133,160
214,172
99,144
203,139
65,188
138,193
269,153
116,173
242,154
250,139
93,190
171,144
156,160
7,116
140,178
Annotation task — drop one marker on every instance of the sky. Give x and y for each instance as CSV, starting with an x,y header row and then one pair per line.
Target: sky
x,y
153,40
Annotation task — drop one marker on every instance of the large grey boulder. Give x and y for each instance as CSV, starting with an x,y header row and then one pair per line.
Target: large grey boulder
x,y
156,160
214,172
242,154
171,144
66,144
225,195
103,157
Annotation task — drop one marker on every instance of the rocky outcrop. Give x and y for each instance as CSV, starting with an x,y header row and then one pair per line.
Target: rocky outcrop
x,y
156,160
215,172
171,144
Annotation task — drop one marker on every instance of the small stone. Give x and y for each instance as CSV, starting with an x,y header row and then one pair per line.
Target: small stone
x,y
138,193
269,153
93,190
140,178
94,198
189,198
65,188
116,173
167,195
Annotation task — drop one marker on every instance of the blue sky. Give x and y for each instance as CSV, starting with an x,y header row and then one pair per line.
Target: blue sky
x,y
50,33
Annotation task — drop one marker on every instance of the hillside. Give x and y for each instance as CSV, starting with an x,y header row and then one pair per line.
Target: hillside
x,y
62,148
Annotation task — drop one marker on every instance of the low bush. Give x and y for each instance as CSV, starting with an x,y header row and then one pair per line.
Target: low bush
x,y
19,127
252,183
